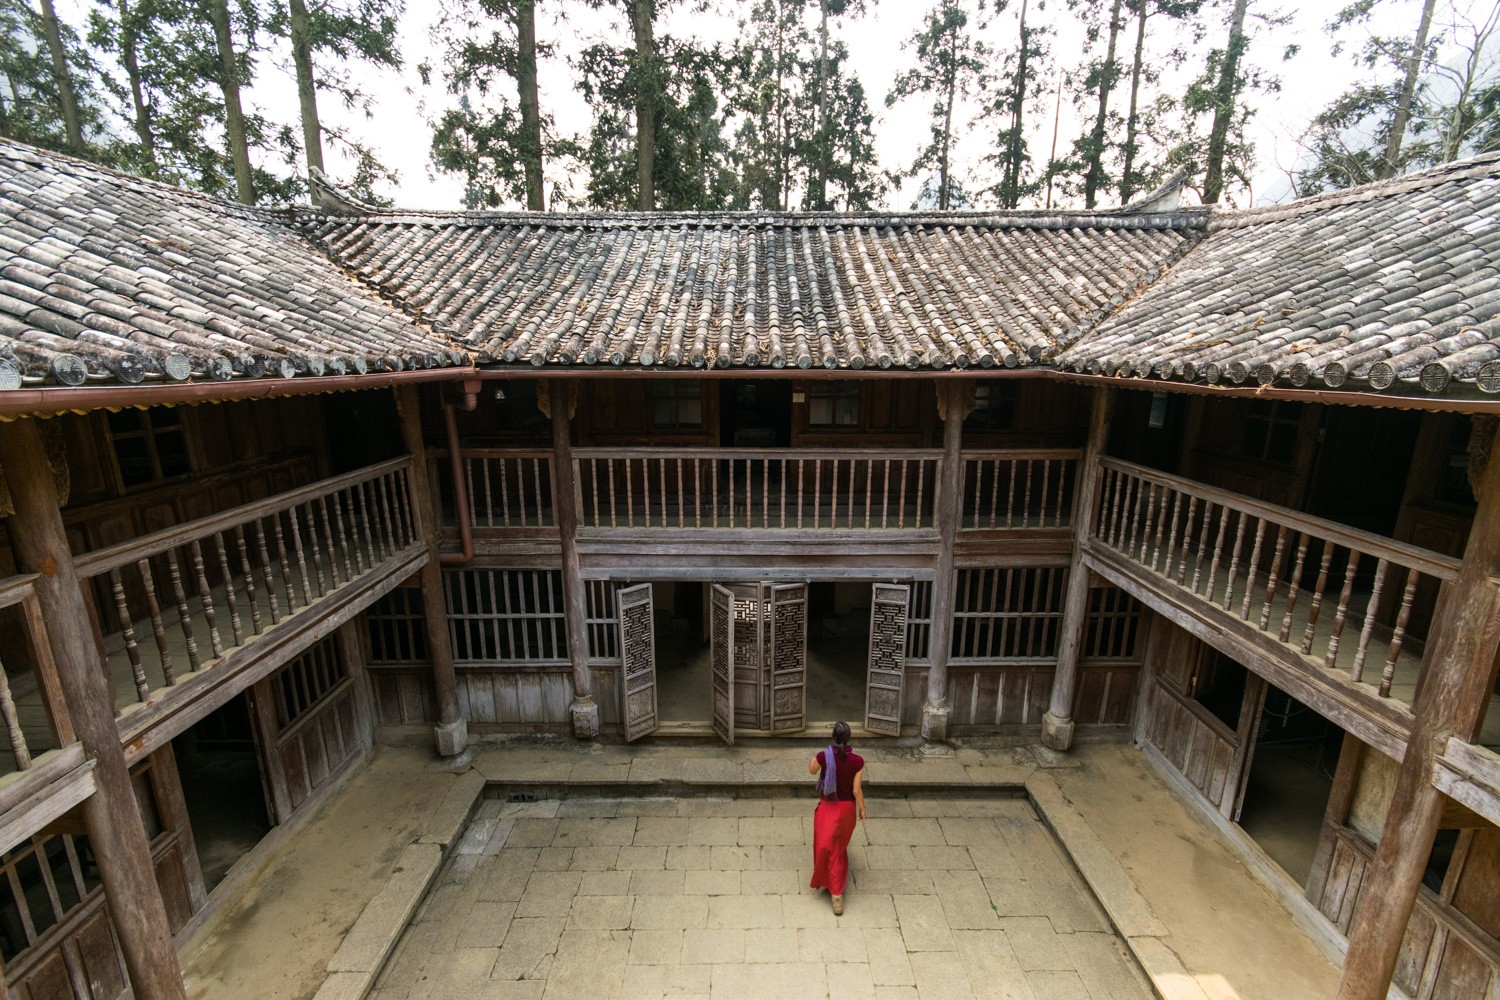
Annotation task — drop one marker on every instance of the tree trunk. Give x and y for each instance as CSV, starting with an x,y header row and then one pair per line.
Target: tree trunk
x,y
234,118
1218,136
1093,180
1011,195
947,138
642,16
307,90
1387,165
1056,125
71,122
145,133
817,194
1132,120
531,104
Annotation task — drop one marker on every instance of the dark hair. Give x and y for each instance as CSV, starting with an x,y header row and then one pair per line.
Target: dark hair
x,y
841,733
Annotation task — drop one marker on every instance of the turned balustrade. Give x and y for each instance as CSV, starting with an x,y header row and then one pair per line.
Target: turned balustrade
x,y
768,489
194,591
1340,595
34,664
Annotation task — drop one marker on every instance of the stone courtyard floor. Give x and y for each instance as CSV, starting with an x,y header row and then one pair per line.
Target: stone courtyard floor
x,y
670,867
707,897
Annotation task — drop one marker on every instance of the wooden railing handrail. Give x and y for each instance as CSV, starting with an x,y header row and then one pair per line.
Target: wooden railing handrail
x,y
125,553
580,454
1433,564
1063,454
15,589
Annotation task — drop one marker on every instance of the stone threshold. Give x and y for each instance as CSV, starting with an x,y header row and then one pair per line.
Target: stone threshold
x,y
354,969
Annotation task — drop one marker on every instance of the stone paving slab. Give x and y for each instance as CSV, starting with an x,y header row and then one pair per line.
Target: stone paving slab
x,y
745,924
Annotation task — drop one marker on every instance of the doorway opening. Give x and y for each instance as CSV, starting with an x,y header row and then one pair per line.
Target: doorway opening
x,y
1290,780
219,765
835,650
838,651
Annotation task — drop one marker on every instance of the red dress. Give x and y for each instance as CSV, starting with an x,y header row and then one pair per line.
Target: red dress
x,y
833,825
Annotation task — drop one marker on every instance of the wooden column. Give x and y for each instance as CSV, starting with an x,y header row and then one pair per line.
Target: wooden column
x,y
1456,674
1057,721
452,731
954,400
115,831
585,711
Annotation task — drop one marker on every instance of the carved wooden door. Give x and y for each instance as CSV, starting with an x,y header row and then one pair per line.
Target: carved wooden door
x,y
721,660
747,649
887,675
787,657
638,712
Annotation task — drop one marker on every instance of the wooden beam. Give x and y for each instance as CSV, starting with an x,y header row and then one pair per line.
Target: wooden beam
x,y
952,400
451,733
585,710
1457,671
116,834
1057,723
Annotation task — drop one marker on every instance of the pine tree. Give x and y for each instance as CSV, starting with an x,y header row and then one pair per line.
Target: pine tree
x,y
364,31
1134,176
47,97
950,63
502,146
1016,89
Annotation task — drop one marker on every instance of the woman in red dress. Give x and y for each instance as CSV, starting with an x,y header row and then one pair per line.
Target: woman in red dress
x,y
841,804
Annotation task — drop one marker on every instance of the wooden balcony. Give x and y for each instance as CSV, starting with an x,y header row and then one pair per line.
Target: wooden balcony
x,y
43,772
190,615
1332,615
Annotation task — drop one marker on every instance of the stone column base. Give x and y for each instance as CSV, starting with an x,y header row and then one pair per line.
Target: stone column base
x,y
935,722
1057,734
585,712
451,737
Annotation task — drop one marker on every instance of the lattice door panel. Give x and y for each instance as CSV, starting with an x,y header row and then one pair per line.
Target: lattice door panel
x,y
638,661
747,646
788,657
887,674
721,659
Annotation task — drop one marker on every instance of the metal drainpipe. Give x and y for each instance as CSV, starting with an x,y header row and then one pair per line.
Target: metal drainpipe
x,y
460,494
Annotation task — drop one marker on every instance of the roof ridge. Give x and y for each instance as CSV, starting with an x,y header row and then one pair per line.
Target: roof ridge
x,y
1487,164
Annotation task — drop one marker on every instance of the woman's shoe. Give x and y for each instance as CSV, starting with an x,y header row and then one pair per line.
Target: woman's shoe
x,y
838,906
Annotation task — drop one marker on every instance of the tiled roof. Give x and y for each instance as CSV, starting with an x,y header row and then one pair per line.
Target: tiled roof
x,y
759,291
112,279
1389,287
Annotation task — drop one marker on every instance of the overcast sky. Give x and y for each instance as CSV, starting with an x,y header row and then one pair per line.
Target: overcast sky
x,y
399,130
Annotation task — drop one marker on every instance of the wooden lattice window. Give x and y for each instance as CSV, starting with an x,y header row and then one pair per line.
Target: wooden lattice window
x,y
44,882
506,616
150,445
603,620
919,622
833,404
1113,626
1007,614
306,682
1271,429
994,407
397,627
676,404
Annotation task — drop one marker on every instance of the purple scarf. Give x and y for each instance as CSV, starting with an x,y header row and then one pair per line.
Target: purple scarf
x,y
828,785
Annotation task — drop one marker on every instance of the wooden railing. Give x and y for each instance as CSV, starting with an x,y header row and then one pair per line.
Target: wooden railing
x,y
1019,489
218,581
754,488
507,488
1340,595
34,719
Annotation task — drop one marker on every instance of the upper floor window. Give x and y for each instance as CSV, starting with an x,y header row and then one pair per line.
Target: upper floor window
x,y
149,445
994,407
833,404
1271,430
676,404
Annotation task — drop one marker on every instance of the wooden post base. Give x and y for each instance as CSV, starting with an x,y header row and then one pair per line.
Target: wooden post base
x,y
1057,733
